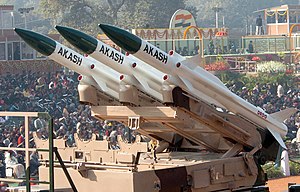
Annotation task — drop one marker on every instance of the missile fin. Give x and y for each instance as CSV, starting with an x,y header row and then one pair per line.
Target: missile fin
x,y
192,62
101,84
283,114
142,82
187,83
88,80
201,94
277,136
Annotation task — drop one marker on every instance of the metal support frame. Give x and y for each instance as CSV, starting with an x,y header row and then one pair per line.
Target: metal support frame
x,y
51,161
64,169
133,124
26,116
51,151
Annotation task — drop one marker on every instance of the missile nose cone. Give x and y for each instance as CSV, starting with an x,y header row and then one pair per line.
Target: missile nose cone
x,y
39,42
82,41
127,41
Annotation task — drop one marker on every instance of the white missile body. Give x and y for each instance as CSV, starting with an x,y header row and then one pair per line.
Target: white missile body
x,y
106,78
148,79
196,78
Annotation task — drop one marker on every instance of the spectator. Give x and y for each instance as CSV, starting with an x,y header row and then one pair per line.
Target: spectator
x,y
280,91
113,139
34,163
259,27
250,47
211,47
40,124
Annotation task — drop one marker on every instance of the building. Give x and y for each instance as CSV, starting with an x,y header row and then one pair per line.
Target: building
x,y
15,55
280,20
281,27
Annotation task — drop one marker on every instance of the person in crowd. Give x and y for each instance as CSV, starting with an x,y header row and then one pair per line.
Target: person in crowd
x,y
280,91
34,163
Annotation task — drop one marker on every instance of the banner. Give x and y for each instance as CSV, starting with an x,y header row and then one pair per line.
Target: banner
x,y
181,19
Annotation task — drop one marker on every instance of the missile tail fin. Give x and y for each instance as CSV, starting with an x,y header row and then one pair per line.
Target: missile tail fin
x,y
283,114
193,62
101,84
187,83
277,136
143,82
206,98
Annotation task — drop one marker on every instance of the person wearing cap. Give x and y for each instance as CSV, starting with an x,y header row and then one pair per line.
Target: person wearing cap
x,y
113,139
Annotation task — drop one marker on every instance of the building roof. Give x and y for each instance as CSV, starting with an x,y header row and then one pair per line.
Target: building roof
x,y
280,8
284,7
7,7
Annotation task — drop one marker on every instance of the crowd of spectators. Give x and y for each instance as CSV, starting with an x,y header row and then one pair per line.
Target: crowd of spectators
x,y
272,98
53,93
56,93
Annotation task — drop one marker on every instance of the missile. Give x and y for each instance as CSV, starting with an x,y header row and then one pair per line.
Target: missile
x,y
150,80
144,77
197,78
106,78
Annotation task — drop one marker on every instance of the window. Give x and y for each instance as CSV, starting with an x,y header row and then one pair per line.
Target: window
x,y
9,51
27,51
282,16
293,16
39,55
271,17
16,51
2,51
6,20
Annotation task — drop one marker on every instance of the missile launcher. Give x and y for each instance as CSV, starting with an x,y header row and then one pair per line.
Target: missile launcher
x,y
203,137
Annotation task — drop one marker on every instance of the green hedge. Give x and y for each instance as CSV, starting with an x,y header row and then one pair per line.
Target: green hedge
x,y
275,172
249,81
272,171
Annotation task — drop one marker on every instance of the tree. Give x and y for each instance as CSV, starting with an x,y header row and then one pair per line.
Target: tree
x,y
115,6
153,14
86,14
162,11
133,14
83,15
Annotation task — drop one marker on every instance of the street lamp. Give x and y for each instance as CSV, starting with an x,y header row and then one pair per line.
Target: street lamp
x,y
12,19
217,10
24,11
